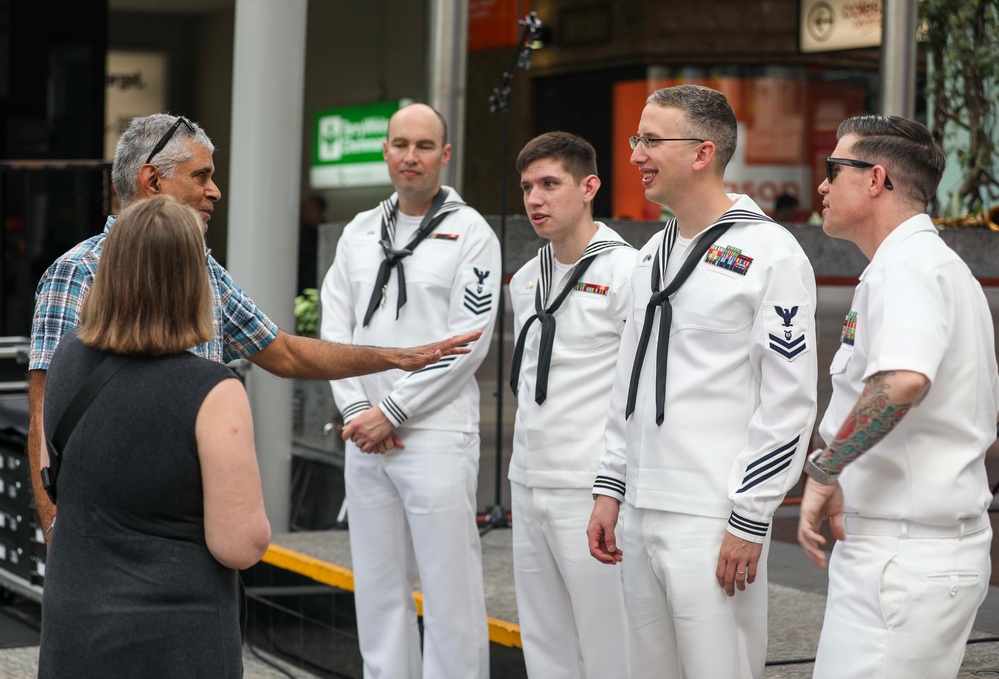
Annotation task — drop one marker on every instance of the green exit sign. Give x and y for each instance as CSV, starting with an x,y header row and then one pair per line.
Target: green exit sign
x,y
348,145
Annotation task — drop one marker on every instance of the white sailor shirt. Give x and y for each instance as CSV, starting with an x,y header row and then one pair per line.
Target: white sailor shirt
x,y
557,444
453,282
741,382
919,308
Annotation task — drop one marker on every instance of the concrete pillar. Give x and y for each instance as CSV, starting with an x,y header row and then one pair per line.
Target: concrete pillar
x,y
898,57
446,74
266,148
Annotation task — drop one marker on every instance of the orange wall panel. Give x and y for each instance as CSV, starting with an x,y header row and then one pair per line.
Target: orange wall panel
x,y
493,23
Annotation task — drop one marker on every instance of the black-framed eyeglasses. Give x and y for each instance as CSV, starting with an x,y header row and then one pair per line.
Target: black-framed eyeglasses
x,y
832,168
165,139
647,142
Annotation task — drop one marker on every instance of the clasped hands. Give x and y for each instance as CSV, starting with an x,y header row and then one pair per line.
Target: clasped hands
x,y
372,432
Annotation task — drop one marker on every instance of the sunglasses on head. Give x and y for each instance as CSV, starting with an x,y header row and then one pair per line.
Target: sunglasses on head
x,y
165,139
833,165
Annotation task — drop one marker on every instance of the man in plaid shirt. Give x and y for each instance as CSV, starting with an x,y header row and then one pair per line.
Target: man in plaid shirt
x,y
164,154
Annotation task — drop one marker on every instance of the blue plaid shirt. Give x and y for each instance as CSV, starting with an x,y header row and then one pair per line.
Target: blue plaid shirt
x,y
241,329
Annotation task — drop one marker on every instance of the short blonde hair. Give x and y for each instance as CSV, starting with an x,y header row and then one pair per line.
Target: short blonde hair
x,y
151,294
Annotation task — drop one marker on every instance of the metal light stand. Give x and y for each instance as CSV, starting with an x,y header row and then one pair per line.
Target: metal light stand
x,y
500,101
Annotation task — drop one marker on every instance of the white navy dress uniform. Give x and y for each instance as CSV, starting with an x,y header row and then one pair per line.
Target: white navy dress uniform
x,y
570,607
416,506
738,405
905,585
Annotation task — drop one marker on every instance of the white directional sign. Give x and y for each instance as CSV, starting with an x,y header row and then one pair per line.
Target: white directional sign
x,y
828,25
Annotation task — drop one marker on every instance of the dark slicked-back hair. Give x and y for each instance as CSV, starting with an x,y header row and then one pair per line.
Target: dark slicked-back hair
x,y
914,162
577,155
707,115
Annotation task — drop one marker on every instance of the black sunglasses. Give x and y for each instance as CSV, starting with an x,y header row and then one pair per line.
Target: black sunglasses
x,y
832,168
165,139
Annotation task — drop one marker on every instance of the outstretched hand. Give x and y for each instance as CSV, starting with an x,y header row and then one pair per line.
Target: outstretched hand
x,y
415,358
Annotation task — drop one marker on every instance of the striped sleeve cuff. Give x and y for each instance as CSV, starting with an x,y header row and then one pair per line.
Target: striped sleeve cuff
x,y
608,485
353,410
393,412
746,528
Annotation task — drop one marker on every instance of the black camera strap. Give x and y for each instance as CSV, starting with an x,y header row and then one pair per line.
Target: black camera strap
x,y
102,374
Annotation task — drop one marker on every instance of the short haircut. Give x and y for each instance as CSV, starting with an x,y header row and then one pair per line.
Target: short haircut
x,y
436,113
151,294
443,126
912,159
707,116
139,139
577,155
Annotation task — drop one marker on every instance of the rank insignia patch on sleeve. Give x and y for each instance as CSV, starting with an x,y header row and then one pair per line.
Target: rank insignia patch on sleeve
x,y
785,332
478,300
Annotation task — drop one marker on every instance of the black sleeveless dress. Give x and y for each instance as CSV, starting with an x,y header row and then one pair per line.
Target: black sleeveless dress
x,y
131,589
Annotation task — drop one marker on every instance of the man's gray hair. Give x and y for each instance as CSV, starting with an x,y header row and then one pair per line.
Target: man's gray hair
x,y
139,139
707,116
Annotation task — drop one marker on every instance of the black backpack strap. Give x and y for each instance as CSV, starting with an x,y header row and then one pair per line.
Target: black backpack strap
x,y
105,370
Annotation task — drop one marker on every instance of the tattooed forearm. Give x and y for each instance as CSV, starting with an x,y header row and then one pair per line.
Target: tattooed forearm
x,y
879,410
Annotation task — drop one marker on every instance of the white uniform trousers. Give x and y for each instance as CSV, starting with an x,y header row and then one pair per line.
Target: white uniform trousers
x,y
901,607
681,624
570,606
415,508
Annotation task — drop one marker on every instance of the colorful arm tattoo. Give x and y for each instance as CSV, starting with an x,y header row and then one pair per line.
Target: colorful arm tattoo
x,y
878,411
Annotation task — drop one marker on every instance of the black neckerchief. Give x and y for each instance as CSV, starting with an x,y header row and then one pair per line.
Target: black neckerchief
x,y
393,258
547,315
660,300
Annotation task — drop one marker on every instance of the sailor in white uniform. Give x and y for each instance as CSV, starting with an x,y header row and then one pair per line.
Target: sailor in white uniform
x,y
713,403
422,264
569,306
913,411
